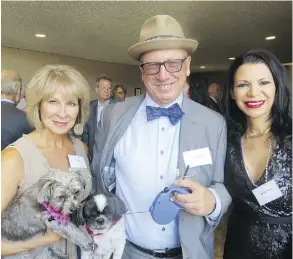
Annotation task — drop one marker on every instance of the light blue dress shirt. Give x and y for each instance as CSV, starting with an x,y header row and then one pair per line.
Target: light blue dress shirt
x,y
100,107
143,169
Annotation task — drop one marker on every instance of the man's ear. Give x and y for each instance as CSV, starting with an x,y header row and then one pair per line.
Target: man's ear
x,y
142,73
18,91
77,216
18,94
188,61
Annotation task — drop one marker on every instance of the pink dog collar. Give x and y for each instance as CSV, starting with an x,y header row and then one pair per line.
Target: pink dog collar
x,y
57,215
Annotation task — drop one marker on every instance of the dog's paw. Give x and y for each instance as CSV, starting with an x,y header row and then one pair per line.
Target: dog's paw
x,y
44,216
84,241
55,253
53,224
87,246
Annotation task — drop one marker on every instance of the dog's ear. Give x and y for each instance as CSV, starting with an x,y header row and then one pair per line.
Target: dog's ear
x,y
116,206
77,216
46,189
87,210
79,176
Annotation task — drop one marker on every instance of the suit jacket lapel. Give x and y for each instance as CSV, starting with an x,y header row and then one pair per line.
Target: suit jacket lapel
x,y
116,132
192,134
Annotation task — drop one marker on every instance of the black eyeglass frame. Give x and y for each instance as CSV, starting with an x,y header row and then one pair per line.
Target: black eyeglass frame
x,y
163,63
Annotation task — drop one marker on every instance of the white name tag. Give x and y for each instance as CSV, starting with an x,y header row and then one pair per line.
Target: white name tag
x,y
197,157
76,161
267,192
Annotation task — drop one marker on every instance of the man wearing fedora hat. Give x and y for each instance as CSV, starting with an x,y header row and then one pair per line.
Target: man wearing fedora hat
x,y
155,140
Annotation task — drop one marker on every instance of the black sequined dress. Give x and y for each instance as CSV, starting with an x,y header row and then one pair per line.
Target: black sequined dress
x,y
254,231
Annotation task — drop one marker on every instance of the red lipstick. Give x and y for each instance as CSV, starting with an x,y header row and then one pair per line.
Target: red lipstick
x,y
254,104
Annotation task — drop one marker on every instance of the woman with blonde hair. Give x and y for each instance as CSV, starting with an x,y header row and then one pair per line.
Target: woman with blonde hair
x,y
57,106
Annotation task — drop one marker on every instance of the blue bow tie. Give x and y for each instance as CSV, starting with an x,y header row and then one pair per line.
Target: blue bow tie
x,y
174,113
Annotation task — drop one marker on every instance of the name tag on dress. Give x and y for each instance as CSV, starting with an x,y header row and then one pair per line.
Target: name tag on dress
x,y
197,157
76,161
267,192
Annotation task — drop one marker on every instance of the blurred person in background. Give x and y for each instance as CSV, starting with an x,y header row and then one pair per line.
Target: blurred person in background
x,y
119,93
214,90
22,103
14,122
196,89
103,89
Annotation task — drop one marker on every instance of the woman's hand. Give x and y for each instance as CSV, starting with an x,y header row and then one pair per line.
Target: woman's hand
x,y
51,236
11,248
12,175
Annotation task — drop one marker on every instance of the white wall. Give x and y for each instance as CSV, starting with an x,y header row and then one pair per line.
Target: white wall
x,y
26,63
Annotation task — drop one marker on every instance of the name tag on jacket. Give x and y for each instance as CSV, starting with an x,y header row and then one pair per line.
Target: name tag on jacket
x,y
197,157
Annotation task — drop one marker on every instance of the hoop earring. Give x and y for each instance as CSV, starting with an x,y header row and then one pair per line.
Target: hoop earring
x,y
78,127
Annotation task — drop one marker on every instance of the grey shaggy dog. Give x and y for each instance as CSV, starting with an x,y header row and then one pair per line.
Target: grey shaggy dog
x,y
24,218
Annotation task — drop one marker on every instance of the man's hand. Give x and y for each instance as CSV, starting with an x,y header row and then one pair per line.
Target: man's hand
x,y
200,201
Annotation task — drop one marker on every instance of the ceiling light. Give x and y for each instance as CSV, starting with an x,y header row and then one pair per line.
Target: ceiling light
x,y
270,38
202,67
39,35
232,58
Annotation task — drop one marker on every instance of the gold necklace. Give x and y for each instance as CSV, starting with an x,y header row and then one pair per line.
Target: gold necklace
x,y
258,135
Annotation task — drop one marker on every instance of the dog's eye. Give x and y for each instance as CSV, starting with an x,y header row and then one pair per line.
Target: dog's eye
x,y
61,197
76,193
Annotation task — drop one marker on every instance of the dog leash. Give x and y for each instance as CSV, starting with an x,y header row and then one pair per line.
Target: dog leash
x,y
90,232
138,212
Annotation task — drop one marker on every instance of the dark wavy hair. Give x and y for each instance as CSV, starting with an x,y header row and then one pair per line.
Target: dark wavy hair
x,y
280,113
198,89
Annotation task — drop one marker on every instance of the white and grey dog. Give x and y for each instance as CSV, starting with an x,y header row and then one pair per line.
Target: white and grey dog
x,y
102,217
46,204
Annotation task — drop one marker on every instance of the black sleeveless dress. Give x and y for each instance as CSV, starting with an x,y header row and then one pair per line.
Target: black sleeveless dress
x,y
254,231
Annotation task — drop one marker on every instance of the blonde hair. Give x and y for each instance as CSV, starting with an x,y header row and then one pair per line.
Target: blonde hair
x,y
10,82
44,84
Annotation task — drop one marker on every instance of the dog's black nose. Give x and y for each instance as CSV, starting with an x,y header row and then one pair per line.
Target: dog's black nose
x,y
100,221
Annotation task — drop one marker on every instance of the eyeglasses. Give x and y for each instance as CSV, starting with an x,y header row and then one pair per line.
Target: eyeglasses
x,y
172,66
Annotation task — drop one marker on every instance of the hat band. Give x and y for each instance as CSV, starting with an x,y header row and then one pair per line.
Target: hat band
x,y
163,36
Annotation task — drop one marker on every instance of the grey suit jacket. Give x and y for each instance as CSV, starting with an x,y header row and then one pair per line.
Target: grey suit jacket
x,y
14,123
200,128
90,127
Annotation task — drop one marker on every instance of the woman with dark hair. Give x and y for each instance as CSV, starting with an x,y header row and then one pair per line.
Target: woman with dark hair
x,y
258,170
196,89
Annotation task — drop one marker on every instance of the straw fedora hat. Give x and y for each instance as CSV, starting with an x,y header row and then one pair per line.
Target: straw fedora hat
x,y
161,32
